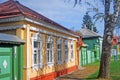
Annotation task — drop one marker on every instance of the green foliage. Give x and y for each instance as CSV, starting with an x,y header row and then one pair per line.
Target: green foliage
x,y
95,29
87,21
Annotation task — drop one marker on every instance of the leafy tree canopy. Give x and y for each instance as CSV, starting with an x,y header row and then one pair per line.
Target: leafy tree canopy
x,y
87,21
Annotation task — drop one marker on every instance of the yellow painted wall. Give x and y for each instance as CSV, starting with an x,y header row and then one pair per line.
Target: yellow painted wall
x,y
26,35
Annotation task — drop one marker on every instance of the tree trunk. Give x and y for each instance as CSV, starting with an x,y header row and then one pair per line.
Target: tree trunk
x,y
104,71
110,20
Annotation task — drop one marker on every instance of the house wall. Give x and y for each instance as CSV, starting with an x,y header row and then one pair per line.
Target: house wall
x,y
92,51
46,71
90,42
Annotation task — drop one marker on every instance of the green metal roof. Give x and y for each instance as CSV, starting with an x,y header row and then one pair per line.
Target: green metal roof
x,y
12,39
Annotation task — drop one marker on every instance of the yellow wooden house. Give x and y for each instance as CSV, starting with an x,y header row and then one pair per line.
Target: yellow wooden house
x,y
50,50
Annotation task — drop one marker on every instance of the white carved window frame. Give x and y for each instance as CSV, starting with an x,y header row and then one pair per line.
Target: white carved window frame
x,y
37,51
71,51
66,51
59,50
50,51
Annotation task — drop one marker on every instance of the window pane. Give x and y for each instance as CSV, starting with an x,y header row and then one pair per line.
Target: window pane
x,y
35,44
48,45
35,58
71,46
51,56
39,45
48,55
39,57
66,55
72,54
58,46
58,55
66,46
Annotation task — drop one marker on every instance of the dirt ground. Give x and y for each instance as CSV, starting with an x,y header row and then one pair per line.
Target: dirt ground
x,y
79,74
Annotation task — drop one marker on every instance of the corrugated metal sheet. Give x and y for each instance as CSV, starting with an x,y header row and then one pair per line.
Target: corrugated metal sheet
x,y
6,38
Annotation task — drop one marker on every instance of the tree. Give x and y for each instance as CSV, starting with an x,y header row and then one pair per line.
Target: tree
x,y
95,29
87,20
109,26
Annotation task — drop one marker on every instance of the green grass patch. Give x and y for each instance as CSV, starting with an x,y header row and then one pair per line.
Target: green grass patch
x,y
94,64
119,57
114,70
92,76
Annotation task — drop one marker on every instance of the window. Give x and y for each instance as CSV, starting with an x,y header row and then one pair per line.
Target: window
x,y
71,51
66,50
37,51
49,54
59,50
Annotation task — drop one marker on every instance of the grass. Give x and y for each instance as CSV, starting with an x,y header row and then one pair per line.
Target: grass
x,y
114,70
94,64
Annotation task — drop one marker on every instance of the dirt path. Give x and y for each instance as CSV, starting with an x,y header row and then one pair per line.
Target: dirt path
x,y
79,74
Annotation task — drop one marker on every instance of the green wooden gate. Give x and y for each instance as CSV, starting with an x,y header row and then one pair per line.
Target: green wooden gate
x,y
6,63
11,57
11,62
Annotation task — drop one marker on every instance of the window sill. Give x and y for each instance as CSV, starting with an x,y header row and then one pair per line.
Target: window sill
x,y
71,60
36,67
50,64
59,63
66,61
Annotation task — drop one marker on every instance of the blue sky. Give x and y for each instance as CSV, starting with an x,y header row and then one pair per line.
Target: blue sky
x,y
62,11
